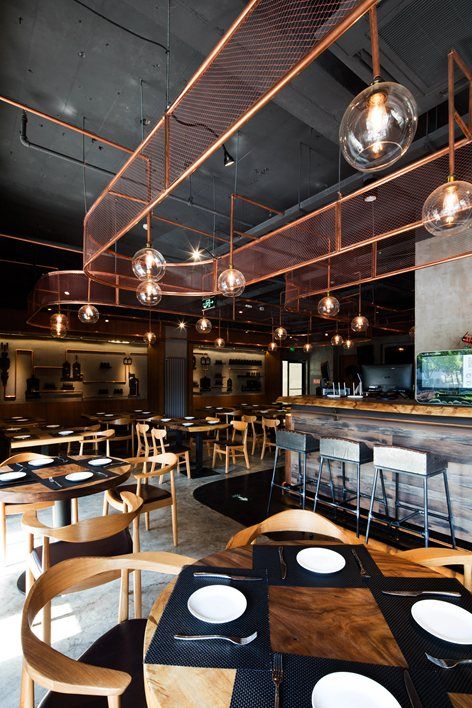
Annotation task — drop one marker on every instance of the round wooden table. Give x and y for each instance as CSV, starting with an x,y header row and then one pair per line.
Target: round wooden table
x,y
303,620
198,430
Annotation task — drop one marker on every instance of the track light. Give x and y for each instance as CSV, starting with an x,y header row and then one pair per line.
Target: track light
x,y
228,159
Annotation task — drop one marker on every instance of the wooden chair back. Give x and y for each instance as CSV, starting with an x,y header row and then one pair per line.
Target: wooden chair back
x,y
56,672
240,427
95,437
142,430
292,520
271,423
439,558
22,457
249,418
158,435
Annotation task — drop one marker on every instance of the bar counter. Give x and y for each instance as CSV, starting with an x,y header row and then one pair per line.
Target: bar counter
x,y
445,430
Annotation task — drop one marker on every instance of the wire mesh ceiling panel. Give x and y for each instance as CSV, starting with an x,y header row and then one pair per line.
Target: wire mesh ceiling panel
x,y
267,46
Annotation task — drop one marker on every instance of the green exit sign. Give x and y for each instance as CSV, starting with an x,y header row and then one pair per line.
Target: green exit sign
x,y
208,303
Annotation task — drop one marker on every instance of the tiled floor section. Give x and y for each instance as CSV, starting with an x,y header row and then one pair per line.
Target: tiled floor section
x,y
80,618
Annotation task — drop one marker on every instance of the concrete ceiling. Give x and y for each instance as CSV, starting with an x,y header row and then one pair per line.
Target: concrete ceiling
x,y
70,63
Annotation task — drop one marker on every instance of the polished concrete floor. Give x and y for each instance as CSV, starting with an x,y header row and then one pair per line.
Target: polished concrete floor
x,y
80,618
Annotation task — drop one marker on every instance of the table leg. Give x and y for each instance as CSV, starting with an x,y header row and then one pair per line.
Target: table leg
x,y
198,452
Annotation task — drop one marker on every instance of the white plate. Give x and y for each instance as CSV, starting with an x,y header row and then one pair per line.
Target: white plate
x,y
10,476
100,413
53,425
109,415
138,410
213,422
187,425
444,620
22,420
78,476
189,417
217,604
15,417
146,412
66,432
100,461
343,689
219,408
12,430
21,437
321,560
40,462
165,420
212,406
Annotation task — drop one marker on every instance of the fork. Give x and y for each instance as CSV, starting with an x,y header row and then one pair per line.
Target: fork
x,y
447,663
240,641
277,676
54,481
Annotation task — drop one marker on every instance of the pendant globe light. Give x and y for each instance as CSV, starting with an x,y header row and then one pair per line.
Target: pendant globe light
x,y
328,306
380,122
348,343
219,341
272,347
280,333
307,347
149,293
203,325
231,282
59,323
448,210
88,314
337,340
149,337
360,323
148,263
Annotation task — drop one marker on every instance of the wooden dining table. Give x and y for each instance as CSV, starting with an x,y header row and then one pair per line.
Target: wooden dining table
x,y
198,430
343,623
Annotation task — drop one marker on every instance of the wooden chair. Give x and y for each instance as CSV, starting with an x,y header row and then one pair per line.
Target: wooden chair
x,y
251,421
143,432
438,558
123,429
211,437
102,536
11,509
158,435
112,667
234,447
94,437
87,429
293,520
154,497
269,426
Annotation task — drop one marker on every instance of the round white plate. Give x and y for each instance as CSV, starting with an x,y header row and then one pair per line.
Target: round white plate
x,y
109,415
100,413
321,560
12,430
22,420
138,410
219,408
212,406
100,461
444,620
217,604
189,417
54,425
147,412
21,437
343,689
187,425
66,432
165,420
15,417
40,462
10,476
213,422
78,476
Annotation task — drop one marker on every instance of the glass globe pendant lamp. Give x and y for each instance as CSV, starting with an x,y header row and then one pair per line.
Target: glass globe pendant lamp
x,y
149,338
307,347
219,343
280,333
380,122
336,340
59,324
272,347
328,306
231,282
148,263
149,293
203,325
88,314
348,343
359,323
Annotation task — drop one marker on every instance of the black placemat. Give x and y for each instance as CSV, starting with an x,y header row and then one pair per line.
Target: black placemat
x,y
255,688
267,557
414,641
99,473
31,477
176,619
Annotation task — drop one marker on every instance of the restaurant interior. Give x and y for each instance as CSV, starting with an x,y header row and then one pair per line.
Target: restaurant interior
x,y
236,353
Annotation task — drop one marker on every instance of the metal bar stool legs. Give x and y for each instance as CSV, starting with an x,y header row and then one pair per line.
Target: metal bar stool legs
x,y
302,444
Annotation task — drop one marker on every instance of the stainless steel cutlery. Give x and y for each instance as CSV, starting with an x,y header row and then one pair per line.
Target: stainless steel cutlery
x,y
54,481
277,677
411,690
417,593
364,573
239,641
282,563
448,663
224,576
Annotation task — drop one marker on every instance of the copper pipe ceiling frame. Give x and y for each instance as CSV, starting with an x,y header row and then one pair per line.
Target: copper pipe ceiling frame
x,y
263,50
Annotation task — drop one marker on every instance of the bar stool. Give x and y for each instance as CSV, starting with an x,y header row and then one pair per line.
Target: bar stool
x,y
303,444
415,463
346,452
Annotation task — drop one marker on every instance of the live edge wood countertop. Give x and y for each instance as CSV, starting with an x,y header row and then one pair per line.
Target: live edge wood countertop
x,y
398,407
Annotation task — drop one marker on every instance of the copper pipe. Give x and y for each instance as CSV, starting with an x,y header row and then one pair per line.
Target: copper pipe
x,y
450,105
63,124
188,228
338,225
257,204
45,244
231,230
323,44
30,265
244,234
120,195
374,259
465,128
374,41
166,150
461,64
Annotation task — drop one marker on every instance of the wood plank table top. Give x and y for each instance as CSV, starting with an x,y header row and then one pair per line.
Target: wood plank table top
x,y
303,620
198,426
37,492
397,407
20,421
37,437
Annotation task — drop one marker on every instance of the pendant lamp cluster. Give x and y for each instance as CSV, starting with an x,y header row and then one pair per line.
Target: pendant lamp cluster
x,y
149,266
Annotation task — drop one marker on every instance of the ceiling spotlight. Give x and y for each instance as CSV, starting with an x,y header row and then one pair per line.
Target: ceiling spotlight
x,y
228,159
88,314
196,254
369,198
107,320
66,292
182,325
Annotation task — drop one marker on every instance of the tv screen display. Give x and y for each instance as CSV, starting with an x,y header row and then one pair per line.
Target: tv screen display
x,y
387,377
445,377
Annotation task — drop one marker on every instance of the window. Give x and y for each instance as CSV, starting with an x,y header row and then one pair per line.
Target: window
x,y
292,378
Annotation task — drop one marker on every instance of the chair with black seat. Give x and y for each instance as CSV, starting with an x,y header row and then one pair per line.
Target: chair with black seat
x,y
153,496
123,428
110,672
252,420
99,536
158,436
12,509
236,447
94,436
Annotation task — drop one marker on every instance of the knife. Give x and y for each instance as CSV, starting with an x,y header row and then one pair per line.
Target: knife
x,y
224,576
411,690
283,565
364,573
417,593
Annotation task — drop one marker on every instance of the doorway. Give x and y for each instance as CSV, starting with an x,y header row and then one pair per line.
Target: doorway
x,y
293,378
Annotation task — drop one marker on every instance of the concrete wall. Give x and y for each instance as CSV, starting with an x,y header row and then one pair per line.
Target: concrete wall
x,y
443,296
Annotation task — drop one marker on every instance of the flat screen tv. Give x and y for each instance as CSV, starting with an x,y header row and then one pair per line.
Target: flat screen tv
x,y
445,377
387,377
